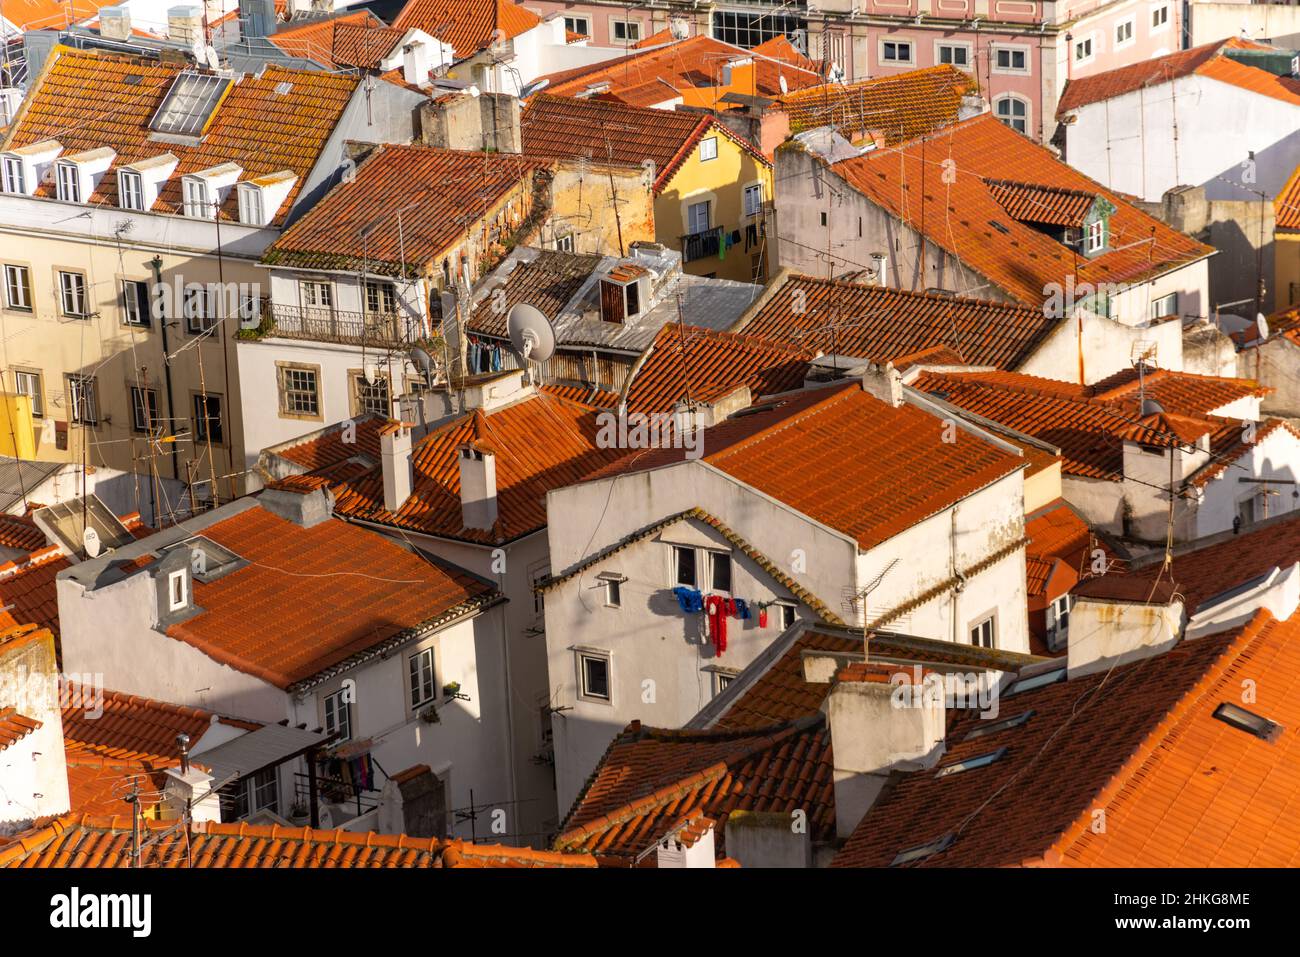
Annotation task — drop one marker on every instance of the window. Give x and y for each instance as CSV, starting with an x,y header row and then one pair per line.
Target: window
x,y
922,851
1083,50
720,567
684,566
1058,621
1249,722
896,51
753,199
970,764
1123,33
298,391
720,681
176,591
72,295
1010,59
261,793
956,54
14,181
199,308
82,405
535,576
370,397
1246,510
593,676
578,25
18,287
1014,112
1165,306
697,217
786,615
381,298
130,190
750,29
613,593
338,715
68,187
565,243
626,30
1095,239
189,104
315,295
29,384
420,667
135,302
998,726
144,409
983,634
823,217
1159,18
195,193
207,418
250,206
708,148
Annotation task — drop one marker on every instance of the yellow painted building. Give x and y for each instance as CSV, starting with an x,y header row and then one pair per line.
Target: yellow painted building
x,y
1286,244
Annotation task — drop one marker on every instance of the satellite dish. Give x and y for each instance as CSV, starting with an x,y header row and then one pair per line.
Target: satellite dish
x,y
785,87
1261,326
424,362
90,540
371,372
1150,407
531,333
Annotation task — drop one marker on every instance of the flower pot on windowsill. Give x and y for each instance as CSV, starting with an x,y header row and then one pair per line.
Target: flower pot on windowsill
x,y
430,715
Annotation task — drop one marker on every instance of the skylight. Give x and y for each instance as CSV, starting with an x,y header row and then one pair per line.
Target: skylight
x,y
208,560
1248,721
1036,681
189,104
970,764
1002,725
922,851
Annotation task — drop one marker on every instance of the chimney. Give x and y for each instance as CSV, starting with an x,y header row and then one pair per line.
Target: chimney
x,y
478,486
189,786
395,455
1117,619
884,382
879,262
972,105
256,18
115,23
492,390
766,839
34,765
415,64
691,845
185,24
305,500
881,721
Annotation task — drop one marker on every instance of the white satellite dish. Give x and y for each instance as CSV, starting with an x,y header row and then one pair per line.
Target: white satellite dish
x,y
785,87
424,362
531,333
90,540
371,372
1261,326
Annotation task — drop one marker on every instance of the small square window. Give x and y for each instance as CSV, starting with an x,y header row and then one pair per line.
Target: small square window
x,y
787,616
984,634
593,673
720,565
896,51
955,54
709,148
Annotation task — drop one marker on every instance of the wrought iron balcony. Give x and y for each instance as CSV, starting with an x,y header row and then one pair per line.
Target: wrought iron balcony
x,y
701,245
333,325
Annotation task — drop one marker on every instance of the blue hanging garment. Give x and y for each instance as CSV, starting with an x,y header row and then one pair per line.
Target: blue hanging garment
x,y
742,609
690,599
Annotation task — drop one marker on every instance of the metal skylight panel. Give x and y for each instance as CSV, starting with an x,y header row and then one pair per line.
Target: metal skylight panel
x,y
1249,722
922,851
970,764
188,105
1036,681
1003,725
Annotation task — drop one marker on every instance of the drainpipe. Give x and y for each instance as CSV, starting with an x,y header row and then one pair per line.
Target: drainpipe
x,y
512,784
156,265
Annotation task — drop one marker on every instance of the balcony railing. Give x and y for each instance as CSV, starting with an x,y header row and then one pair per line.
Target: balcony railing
x,y
332,325
701,245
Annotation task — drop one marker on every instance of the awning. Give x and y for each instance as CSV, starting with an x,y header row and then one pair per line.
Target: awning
x,y
269,745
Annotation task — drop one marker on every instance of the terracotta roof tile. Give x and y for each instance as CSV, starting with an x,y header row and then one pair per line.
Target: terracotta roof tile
x,y
903,106
127,727
256,126
29,589
1034,203
883,324
468,25
51,14
547,282
285,616
465,854
1286,206
14,726
325,453
350,39
451,187
20,531
102,785
1017,258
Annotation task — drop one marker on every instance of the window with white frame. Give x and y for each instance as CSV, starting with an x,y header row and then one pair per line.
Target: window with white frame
x,y
1094,240
628,31
896,51
195,195
370,397
13,180
28,383
721,679
1013,111
613,592
580,25
1123,33
381,298
593,676
1165,306
338,715
684,566
984,633
786,611
18,287
72,295
1159,18
130,190
83,405
68,185
261,792
565,243
135,302
1058,620
697,217
1010,59
315,295
1083,50
954,54
420,672
720,571
177,591
753,199
298,390
250,206
144,409
199,306
708,148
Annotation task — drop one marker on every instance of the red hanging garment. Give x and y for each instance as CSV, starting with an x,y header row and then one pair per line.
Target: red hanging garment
x,y
715,607
762,618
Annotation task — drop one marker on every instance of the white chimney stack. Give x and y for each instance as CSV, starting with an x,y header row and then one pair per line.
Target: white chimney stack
x,y
192,786
884,382
395,456
185,24
478,486
115,23
1117,619
415,64
880,721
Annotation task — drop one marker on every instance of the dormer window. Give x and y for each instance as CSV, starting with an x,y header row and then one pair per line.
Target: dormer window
x,y
197,204
69,182
1095,239
205,191
1096,228
77,176
130,190
178,590
250,205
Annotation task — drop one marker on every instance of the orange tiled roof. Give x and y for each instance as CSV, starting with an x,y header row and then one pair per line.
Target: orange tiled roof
x,y
28,589
541,443
547,282
1205,60
781,693
1031,202
655,39
780,48
20,531
704,365
966,219
651,780
127,727
390,592
356,39
903,106
464,854
453,189
1089,423
14,726
1286,206
845,459
883,324
327,455
468,25
561,126
1177,786
255,126
586,395
50,14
